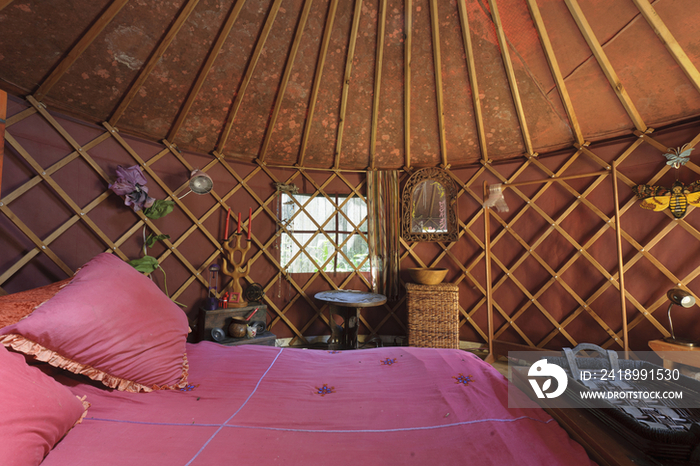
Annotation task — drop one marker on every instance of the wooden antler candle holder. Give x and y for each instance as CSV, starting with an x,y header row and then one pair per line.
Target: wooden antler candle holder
x,y
238,271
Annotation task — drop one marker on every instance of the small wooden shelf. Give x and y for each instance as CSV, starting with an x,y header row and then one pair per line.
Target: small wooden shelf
x,y
673,354
221,318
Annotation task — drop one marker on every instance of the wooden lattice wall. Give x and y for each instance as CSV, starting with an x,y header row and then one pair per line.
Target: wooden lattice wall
x,y
554,255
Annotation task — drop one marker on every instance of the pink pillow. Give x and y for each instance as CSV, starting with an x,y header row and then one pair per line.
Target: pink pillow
x,y
35,411
110,323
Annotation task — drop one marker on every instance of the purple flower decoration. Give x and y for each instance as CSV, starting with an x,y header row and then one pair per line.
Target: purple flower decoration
x,y
130,183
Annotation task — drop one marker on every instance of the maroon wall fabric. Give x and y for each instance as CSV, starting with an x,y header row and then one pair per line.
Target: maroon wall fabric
x,y
44,181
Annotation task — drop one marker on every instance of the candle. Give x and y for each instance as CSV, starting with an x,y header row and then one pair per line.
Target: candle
x,y
239,223
228,214
250,221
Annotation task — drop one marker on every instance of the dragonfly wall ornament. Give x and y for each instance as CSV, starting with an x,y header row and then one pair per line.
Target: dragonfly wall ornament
x,y
679,196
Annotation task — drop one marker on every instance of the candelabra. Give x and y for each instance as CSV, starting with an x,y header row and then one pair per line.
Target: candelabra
x,y
238,271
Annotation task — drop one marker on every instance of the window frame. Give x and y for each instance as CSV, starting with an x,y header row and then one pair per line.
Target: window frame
x,y
337,202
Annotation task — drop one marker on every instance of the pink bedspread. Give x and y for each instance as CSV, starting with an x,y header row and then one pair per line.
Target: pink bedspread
x,y
258,405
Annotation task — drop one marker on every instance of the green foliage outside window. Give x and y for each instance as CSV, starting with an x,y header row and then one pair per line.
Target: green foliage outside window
x,y
319,227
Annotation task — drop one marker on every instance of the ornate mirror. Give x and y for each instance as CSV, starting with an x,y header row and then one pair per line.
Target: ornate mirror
x,y
429,203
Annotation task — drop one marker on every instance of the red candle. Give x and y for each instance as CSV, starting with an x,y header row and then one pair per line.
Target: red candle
x,y
239,223
250,221
228,214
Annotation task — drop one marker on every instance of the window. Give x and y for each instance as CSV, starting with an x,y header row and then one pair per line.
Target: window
x,y
329,234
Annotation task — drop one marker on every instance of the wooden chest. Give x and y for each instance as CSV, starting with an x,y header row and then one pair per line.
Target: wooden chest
x,y
221,319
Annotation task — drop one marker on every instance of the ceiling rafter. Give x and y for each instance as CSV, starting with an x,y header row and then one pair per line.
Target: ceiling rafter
x,y
555,69
153,61
378,65
78,49
408,45
204,71
473,81
259,46
285,78
605,65
328,30
4,3
354,31
672,45
510,73
437,65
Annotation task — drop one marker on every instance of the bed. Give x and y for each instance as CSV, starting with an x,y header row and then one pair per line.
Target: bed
x,y
249,404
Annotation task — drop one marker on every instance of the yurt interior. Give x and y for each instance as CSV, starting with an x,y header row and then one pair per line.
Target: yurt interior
x,y
345,178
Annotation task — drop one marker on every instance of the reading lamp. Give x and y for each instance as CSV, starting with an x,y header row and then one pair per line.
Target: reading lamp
x,y
200,183
684,299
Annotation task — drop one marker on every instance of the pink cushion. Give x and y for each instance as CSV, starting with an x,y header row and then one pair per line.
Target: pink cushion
x,y
110,323
35,411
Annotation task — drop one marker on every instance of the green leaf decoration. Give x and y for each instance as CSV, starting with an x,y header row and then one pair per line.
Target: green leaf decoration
x,y
160,208
151,240
146,264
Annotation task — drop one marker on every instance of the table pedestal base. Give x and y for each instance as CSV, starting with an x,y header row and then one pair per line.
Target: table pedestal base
x,y
344,336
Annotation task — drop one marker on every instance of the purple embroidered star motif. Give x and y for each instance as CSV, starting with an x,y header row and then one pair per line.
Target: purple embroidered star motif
x,y
388,361
463,379
325,390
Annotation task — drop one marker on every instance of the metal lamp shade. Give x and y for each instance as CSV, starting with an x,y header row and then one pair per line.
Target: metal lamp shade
x,y
200,182
684,299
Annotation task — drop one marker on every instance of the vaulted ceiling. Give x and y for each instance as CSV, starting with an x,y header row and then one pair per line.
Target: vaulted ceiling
x,y
356,84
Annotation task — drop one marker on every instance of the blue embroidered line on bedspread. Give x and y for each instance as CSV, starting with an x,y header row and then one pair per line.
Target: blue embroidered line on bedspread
x,y
237,411
316,431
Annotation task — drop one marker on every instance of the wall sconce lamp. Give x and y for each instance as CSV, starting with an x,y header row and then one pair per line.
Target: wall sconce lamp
x,y
684,299
200,183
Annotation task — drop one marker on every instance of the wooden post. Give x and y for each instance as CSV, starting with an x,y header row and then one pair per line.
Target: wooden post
x,y
620,263
487,259
3,117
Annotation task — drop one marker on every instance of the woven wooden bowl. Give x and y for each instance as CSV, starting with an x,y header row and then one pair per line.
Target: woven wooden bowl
x,y
427,276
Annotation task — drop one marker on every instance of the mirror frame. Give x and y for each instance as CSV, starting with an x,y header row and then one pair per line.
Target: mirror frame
x,y
441,176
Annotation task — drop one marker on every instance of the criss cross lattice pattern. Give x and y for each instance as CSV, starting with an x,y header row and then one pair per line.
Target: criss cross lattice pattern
x,y
555,256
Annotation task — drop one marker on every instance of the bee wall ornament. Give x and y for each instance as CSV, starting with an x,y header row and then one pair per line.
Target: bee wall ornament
x,y
677,199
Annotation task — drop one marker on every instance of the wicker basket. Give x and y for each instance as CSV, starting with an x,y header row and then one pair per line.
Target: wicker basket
x,y
433,315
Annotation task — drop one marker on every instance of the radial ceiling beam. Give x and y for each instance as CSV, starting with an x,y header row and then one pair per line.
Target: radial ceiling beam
x,y
437,65
325,42
554,68
4,3
669,41
204,72
153,61
473,81
78,49
233,112
408,44
285,78
378,66
503,43
605,64
346,81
